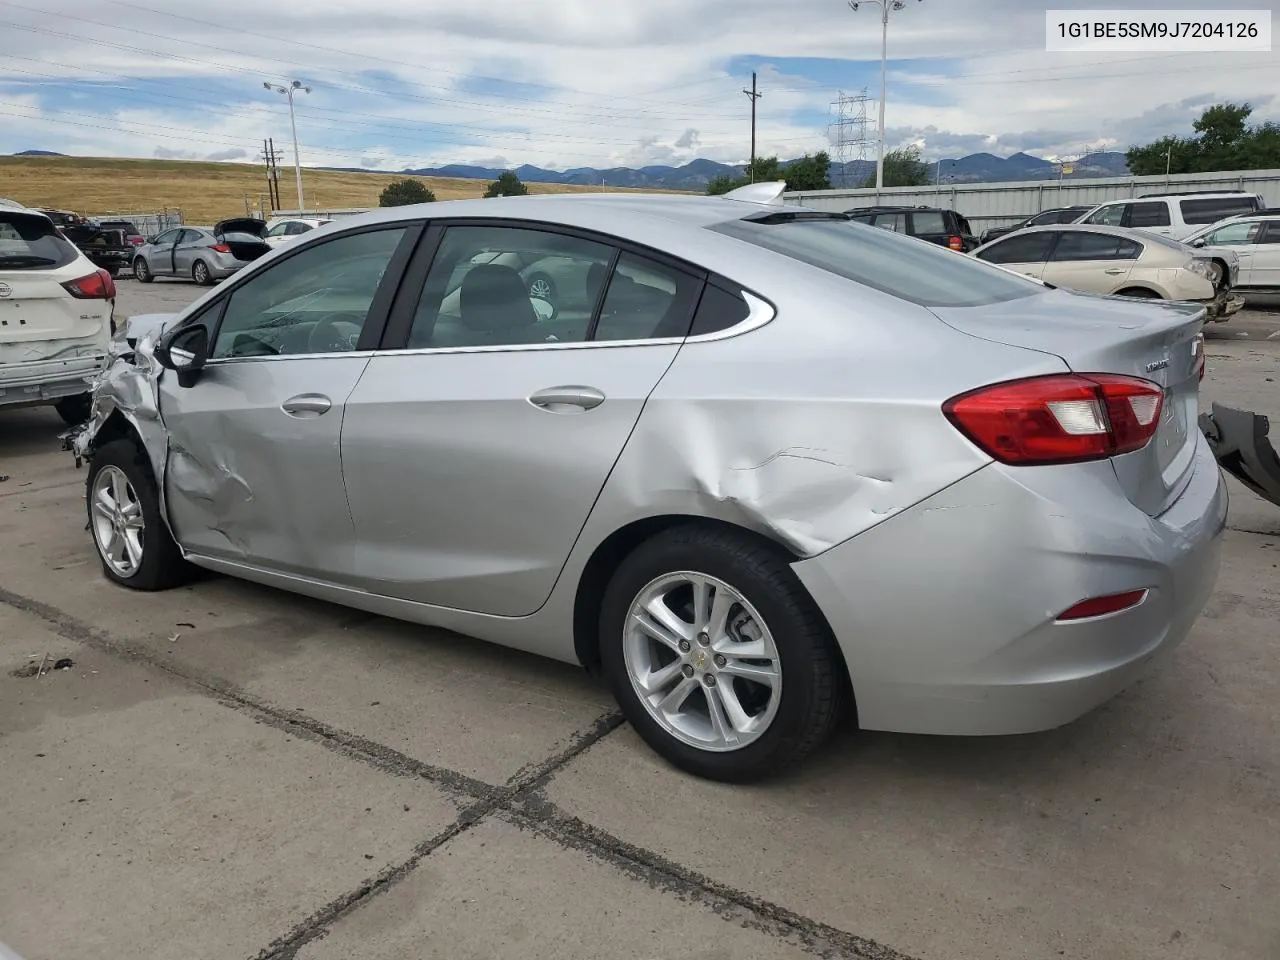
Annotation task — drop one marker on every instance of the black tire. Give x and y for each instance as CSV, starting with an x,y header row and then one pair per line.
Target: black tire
x,y
162,565
200,274
1139,293
74,410
536,281
142,272
815,685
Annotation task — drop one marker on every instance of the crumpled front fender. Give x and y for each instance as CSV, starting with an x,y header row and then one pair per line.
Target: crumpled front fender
x,y
1239,441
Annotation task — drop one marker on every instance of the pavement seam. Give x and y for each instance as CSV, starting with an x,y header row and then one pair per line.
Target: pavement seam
x,y
520,800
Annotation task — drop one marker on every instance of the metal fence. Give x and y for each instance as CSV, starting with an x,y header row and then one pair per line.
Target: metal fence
x,y
148,224
998,204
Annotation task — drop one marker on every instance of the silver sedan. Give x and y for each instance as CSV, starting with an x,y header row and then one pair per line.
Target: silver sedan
x,y
202,254
778,465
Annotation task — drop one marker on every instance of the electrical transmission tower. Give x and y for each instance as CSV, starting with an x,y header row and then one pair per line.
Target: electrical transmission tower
x,y
850,134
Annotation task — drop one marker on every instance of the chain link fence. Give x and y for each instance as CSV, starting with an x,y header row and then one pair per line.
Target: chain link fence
x,y
148,224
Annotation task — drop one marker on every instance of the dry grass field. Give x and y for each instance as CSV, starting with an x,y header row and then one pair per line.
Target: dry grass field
x,y
203,192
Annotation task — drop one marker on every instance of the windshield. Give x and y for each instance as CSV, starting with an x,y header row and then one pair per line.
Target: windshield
x,y
29,242
903,267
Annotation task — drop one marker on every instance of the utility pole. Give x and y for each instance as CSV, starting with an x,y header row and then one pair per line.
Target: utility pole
x,y
885,7
270,157
755,95
288,92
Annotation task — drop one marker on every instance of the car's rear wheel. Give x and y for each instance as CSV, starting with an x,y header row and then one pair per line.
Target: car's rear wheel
x,y
74,410
718,656
1139,293
141,271
133,542
200,273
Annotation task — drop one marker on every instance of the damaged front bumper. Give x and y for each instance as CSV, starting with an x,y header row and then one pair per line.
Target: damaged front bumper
x,y
1239,441
1222,307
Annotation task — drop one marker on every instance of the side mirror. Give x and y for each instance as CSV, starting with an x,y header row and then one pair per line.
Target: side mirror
x,y
184,351
1198,242
150,240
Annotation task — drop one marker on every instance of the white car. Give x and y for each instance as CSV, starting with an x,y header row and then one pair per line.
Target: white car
x,y
282,231
55,316
1115,261
1175,215
1255,241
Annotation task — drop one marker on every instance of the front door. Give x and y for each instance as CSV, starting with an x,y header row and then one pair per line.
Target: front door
x,y
160,259
254,473
473,452
1092,262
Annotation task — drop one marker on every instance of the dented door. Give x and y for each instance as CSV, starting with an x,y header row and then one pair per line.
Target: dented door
x,y
254,473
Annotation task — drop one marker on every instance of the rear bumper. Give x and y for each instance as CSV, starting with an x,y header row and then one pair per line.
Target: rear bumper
x,y
1238,439
946,614
42,381
222,266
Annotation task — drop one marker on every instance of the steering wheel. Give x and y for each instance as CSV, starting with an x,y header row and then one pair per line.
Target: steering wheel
x,y
327,337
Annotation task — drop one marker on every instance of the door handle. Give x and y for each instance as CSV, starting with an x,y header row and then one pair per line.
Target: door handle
x,y
554,399
1115,270
306,405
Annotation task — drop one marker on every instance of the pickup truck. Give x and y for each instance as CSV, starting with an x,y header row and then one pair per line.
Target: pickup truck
x,y
109,246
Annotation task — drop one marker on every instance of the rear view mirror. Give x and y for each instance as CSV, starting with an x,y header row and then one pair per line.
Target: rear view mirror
x,y
184,351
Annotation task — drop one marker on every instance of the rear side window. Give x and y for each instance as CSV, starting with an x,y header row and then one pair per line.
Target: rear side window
x,y
1155,214
718,310
929,221
32,243
920,273
646,299
1027,248
1213,209
1082,245
1270,232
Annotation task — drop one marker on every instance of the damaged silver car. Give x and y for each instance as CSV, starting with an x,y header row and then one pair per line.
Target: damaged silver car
x,y
772,465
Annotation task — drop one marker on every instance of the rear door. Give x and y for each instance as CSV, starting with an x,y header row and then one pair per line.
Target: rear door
x,y
478,439
1091,262
1023,252
1266,258
191,243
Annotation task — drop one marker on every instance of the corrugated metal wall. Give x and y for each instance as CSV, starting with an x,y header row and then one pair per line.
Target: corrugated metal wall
x,y
994,204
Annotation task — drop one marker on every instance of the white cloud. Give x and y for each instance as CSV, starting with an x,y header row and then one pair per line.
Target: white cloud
x,y
630,82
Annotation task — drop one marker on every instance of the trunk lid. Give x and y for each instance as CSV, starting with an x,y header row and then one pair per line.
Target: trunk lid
x,y
245,236
1158,341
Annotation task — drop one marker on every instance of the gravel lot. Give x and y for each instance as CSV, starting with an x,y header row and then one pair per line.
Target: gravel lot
x,y
230,772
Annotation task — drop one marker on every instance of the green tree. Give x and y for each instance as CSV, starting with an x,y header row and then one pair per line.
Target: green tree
x,y
807,173
507,185
1223,141
403,192
902,168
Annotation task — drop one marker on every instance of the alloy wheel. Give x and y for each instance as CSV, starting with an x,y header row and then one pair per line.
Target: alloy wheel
x,y
702,661
118,523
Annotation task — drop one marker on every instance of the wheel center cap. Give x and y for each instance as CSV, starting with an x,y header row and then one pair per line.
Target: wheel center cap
x,y
700,660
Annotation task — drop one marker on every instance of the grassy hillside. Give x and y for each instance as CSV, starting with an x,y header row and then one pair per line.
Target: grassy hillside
x,y
204,192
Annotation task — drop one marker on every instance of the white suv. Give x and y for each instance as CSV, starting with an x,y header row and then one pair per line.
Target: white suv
x,y
55,316
1175,215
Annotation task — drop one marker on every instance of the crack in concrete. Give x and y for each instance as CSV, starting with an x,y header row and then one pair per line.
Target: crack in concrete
x,y
520,800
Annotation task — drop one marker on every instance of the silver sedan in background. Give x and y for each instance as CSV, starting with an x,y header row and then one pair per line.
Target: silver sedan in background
x,y
202,254
779,465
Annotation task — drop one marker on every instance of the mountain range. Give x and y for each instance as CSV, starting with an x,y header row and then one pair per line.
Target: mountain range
x,y
696,174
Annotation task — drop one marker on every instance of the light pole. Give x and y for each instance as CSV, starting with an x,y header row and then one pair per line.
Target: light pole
x,y
885,6
297,160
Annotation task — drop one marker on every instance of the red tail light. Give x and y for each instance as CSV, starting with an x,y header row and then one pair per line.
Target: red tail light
x,y
221,248
1068,418
135,241
1101,606
956,243
96,286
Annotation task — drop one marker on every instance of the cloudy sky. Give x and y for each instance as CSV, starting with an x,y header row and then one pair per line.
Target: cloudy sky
x,y
570,83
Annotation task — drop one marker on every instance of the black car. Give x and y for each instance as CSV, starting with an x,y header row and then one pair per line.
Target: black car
x,y
1043,218
943,227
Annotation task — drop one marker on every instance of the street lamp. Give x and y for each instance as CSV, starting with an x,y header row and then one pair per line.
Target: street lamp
x,y
885,6
297,160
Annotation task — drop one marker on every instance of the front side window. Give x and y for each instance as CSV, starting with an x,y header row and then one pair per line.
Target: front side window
x,y
1111,215
298,228
920,273
1154,214
1024,248
316,301
1234,234
1084,245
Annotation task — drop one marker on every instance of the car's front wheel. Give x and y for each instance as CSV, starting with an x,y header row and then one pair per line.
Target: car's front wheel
x,y
718,656
133,542
141,271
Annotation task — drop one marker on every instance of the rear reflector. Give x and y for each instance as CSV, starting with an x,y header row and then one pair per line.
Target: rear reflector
x,y
221,248
1063,418
96,286
1101,606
